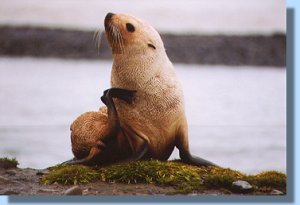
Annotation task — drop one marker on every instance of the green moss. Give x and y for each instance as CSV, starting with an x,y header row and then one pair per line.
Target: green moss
x,y
184,178
8,163
216,177
266,181
66,175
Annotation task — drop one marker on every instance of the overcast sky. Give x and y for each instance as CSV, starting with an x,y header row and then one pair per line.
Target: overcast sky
x,y
189,16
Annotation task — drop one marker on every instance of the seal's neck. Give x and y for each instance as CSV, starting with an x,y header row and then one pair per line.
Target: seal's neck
x,y
135,71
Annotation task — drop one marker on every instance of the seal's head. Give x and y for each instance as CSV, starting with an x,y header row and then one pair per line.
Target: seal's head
x,y
129,35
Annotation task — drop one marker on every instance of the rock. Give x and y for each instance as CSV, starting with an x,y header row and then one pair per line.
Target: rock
x,y
11,192
75,190
86,191
4,180
276,192
242,186
46,191
11,172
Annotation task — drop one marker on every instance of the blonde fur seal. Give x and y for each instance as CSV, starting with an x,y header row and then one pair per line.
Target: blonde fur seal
x,y
156,118
147,126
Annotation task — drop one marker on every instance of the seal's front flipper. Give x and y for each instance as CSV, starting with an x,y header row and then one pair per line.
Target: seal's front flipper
x,y
123,94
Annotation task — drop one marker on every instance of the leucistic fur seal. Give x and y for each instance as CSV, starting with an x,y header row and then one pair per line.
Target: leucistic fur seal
x,y
145,116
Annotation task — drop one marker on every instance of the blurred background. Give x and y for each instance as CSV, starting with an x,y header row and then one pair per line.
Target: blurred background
x,y
229,55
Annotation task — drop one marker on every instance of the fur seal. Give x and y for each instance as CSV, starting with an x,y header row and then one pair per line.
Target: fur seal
x,y
155,122
148,125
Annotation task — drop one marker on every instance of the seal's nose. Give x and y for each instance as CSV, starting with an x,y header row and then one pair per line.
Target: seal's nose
x,y
108,16
107,19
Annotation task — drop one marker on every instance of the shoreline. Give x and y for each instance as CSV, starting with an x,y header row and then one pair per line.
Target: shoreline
x,y
257,50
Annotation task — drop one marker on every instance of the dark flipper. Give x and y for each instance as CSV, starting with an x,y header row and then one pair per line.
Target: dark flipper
x,y
123,94
113,119
138,142
183,146
197,161
143,151
87,160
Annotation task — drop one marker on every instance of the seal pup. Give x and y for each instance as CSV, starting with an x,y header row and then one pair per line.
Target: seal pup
x,y
155,122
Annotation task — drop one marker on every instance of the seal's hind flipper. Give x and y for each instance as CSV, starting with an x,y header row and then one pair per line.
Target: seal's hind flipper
x,y
138,142
94,151
113,124
197,161
184,152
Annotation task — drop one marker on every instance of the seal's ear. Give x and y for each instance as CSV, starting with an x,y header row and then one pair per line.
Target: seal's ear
x,y
151,46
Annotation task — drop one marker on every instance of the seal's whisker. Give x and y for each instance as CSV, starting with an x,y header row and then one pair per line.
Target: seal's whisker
x,y
95,34
113,35
97,38
100,34
121,42
118,39
110,36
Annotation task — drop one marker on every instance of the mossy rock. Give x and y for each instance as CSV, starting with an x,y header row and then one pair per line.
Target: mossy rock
x,y
184,178
8,163
269,180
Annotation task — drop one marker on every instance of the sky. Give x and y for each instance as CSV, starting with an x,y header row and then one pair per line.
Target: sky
x,y
176,16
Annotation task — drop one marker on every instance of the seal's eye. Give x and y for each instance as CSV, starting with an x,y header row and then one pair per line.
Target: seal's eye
x,y
151,45
130,27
